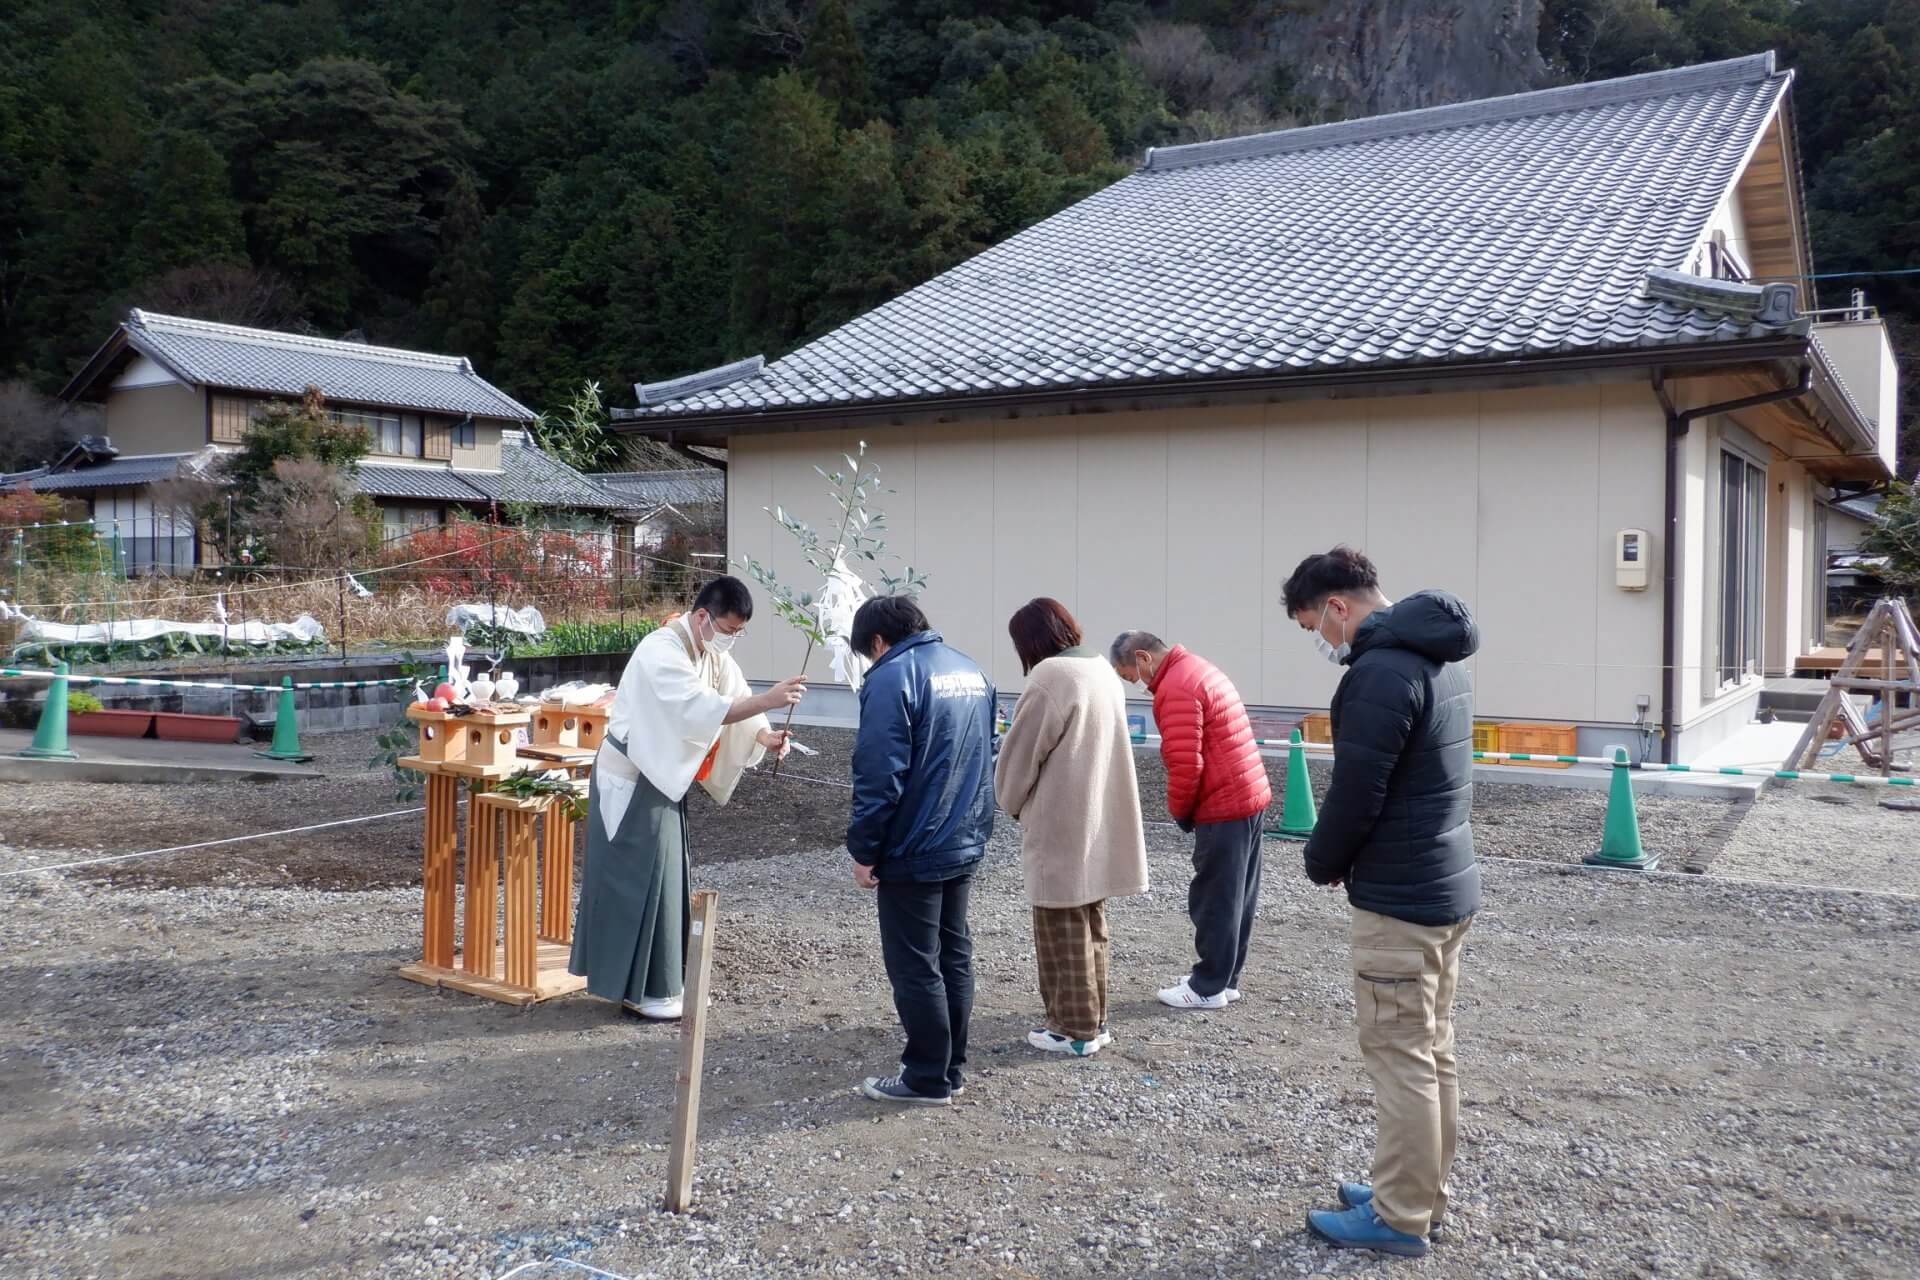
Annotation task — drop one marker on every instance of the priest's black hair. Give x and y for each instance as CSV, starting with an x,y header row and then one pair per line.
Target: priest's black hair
x,y
725,597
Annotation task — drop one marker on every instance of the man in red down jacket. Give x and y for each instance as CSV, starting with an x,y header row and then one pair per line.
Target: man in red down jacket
x,y
1217,790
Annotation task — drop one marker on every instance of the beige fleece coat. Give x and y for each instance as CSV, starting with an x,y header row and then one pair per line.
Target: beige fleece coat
x,y
1065,774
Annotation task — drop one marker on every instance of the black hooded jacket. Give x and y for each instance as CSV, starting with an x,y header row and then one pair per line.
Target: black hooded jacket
x,y
1396,822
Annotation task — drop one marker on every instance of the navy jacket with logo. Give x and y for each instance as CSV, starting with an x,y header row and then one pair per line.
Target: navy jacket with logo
x,y
923,763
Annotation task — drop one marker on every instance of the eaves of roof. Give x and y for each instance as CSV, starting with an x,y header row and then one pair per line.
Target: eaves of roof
x,y
713,429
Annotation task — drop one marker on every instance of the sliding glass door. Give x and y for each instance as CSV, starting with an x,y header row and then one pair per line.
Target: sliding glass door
x,y
1743,542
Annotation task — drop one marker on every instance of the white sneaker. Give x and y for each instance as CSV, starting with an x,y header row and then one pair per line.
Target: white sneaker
x,y
1183,996
1045,1040
1232,994
660,1009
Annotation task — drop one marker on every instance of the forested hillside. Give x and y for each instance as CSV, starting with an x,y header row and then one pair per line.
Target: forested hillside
x,y
637,188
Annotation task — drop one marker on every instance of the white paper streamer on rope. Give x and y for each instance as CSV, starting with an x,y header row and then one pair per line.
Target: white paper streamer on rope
x,y
839,600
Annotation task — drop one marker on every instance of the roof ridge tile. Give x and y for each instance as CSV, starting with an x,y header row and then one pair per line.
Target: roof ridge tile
x,y
1513,106
146,320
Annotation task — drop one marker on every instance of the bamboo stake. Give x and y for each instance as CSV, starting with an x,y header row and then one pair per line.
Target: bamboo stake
x,y
693,1051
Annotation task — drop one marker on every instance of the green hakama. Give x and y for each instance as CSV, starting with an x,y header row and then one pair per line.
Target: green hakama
x,y
630,939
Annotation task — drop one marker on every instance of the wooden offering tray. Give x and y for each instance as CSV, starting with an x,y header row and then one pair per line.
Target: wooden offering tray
x,y
569,724
476,745
578,759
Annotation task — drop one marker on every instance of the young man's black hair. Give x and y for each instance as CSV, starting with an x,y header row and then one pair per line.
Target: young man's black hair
x,y
1334,572
725,597
889,618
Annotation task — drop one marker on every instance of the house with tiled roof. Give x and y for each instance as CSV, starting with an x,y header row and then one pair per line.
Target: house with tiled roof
x,y
1555,352
175,391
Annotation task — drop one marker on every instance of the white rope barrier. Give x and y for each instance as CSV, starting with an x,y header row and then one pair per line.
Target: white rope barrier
x,y
560,1262
207,844
1274,747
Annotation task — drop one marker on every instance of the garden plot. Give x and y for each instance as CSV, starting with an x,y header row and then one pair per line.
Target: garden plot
x,y
1662,1076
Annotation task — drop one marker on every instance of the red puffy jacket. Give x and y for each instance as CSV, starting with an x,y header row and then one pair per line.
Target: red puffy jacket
x,y
1214,770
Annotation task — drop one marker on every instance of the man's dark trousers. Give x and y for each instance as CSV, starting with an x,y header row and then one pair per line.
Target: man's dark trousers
x,y
1222,899
929,958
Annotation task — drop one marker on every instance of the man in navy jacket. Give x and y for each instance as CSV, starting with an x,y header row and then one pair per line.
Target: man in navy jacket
x,y
922,812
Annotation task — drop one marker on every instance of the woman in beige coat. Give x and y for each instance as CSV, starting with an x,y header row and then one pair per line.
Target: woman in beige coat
x,y
1065,774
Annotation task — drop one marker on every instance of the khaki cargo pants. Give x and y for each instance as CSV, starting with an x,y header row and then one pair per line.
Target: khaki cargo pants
x,y
1404,976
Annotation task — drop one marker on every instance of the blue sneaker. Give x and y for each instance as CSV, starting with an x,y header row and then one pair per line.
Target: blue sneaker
x,y
1361,1228
1355,1194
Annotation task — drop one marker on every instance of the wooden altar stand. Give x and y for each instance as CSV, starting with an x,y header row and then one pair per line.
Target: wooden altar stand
x,y
530,840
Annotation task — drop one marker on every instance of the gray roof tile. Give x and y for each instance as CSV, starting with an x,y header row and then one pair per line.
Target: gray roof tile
x,y
225,355
437,483
116,474
1525,224
528,475
700,486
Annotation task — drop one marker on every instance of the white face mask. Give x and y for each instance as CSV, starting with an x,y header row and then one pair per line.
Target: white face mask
x,y
1334,653
717,643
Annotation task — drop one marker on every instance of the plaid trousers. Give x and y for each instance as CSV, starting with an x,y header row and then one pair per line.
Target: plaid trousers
x,y
1071,945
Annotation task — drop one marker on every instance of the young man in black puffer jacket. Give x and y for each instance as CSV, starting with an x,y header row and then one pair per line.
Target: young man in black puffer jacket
x,y
1395,830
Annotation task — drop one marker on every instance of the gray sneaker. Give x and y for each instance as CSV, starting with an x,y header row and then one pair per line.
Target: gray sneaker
x,y
894,1089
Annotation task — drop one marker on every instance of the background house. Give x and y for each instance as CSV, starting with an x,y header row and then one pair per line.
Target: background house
x,y
679,525
175,391
1482,341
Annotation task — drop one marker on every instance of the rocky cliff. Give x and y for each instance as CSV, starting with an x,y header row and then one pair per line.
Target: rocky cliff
x,y
1365,57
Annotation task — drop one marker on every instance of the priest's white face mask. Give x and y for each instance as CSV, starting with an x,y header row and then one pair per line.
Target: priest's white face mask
x,y
715,635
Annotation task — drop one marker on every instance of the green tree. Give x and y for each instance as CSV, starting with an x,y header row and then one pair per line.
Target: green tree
x,y
836,63
243,507
1897,537
341,177
188,216
460,302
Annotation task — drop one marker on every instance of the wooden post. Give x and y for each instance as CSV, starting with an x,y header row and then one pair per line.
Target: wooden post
x,y
556,877
1887,699
443,813
693,1052
483,883
523,966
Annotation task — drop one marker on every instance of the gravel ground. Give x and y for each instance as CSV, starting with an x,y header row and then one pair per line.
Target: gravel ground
x,y
1833,834
1662,1076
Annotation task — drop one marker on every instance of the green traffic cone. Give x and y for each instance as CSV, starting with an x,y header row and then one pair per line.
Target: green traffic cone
x,y
1297,813
286,730
1620,839
50,735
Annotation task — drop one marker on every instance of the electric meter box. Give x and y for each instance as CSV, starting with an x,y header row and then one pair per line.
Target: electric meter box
x,y
1630,553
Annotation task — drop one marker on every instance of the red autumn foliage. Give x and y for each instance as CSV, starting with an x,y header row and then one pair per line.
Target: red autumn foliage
x,y
472,560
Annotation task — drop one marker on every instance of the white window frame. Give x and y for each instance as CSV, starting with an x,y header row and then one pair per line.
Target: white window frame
x,y
1748,659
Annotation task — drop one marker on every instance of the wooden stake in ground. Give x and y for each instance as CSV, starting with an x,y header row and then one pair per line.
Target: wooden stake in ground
x,y
693,1051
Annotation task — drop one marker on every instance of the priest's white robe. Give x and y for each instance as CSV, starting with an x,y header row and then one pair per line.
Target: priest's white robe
x,y
629,939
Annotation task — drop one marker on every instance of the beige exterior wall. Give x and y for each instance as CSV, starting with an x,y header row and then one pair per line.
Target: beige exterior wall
x,y
484,454
1863,358
1186,522
171,418
1790,612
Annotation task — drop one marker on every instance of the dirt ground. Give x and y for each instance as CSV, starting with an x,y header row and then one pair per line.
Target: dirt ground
x,y
209,1069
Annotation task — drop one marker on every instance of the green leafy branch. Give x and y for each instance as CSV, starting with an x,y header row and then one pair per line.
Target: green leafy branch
x,y
398,739
861,538
529,786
